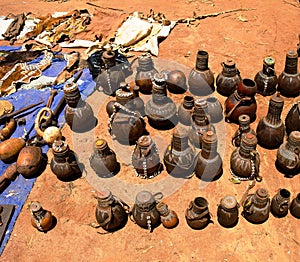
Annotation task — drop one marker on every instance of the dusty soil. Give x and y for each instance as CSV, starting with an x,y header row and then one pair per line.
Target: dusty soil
x,y
271,30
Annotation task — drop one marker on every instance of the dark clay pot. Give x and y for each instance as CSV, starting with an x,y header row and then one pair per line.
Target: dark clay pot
x,y
244,128
185,110
295,207
292,120
201,79
214,109
110,212
176,82
280,203
228,212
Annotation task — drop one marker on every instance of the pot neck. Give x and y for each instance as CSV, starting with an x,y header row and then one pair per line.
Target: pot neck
x,y
291,63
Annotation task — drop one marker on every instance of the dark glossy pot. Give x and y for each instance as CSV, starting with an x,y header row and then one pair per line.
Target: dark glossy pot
x,y
185,110
176,82
292,120
110,212
280,203
201,79
228,212
244,128
228,79
214,109
295,206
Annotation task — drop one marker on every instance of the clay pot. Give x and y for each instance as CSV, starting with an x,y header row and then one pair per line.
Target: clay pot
x,y
110,212
289,79
197,215
145,158
185,110
138,101
270,129
228,212
228,79
208,162
201,79
64,164
103,160
168,217
41,219
292,120
256,207
280,203
144,210
266,79
244,128
295,206
214,109
176,82
145,72
242,101
287,161
30,161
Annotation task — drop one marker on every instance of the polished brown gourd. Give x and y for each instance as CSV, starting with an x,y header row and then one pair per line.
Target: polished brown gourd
x,y
41,219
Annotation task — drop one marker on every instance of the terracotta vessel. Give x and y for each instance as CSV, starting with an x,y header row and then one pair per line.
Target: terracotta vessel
x,y
111,213
295,206
256,207
10,148
111,75
145,158
160,109
179,157
103,160
185,110
200,123
201,79
144,210
245,160
228,79
176,82
168,217
270,129
78,114
145,72
126,124
197,215
214,109
64,163
30,161
292,120
280,203
208,162
41,219
242,101
287,161
228,212
266,79
244,128
289,79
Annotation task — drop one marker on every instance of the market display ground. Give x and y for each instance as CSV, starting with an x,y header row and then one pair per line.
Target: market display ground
x,y
247,37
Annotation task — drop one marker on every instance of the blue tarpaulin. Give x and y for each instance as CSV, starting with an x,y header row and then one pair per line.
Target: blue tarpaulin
x,y
17,192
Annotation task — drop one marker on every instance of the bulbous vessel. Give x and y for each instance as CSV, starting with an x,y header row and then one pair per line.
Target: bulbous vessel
x,y
289,79
197,215
103,160
214,109
179,157
292,119
10,149
64,164
287,161
266,79
201,79
256,207
209,165
242,102
138,101
245,160
200,123
79,115
228,79
280,203
160,109
145,72
111,212
244,128
185,110
145,158
228,212
168,217
295,206
270,129
176,82
144,210
41,219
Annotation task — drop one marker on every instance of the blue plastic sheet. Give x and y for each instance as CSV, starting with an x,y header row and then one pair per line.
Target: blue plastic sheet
x,y
17,192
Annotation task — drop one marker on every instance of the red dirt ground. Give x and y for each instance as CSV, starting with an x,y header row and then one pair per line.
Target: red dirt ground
x,y
272,29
